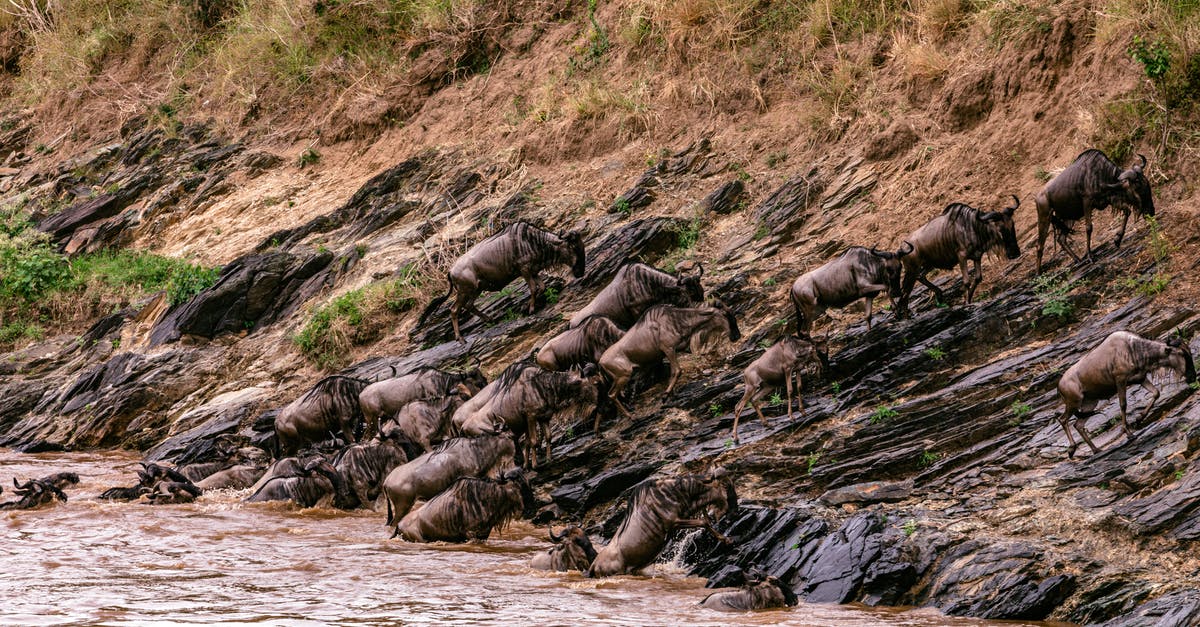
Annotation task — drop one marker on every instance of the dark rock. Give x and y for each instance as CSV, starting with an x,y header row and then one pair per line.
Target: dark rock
x,y
578,498
840,564
894,574
1165,508
1110,598
633,199
869,492
1176,609
251,292
787,208
40,446
1005,580
725,199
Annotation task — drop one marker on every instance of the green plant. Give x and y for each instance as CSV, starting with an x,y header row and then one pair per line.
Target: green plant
x,y
1053,290
570,432
188,280
1042,174
715,410
1178,474
764,343
836,387
1195,385
929,458
623,207
1154,57
741,173
17,330
510,315
30,266
776,400
762,231
812,460
309,157
882,414
689,234
776,158
909,528
551,295
769,282
935,353
1019,411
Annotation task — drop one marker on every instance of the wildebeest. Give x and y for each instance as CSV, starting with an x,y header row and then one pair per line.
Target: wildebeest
x,y
777,366
33,493
173,492
524,398
468,510
663,331
315,483
330,408
234,478
385,398
572,550
61,480
757,594
1091,183
656,508
519,250
365,465
1121,360
580,345
857,273
426,422
961,234
429,474
149,476
638,287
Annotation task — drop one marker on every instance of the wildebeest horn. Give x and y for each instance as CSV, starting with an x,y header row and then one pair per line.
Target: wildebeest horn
x,y
15,484
1142,166
699,270
902,252
1016,205
554,538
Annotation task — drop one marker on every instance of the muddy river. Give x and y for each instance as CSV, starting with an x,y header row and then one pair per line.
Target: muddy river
x,y
88,562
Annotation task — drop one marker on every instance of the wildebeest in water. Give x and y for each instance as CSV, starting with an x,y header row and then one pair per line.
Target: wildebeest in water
x,y
429,474
329,408
469,510
572,550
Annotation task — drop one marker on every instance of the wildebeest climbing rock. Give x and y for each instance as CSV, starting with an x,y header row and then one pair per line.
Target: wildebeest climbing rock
x,y
252,291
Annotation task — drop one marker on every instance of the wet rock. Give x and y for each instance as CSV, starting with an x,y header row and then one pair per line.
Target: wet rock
x,y
891,577
251,292
998,580
1112,597
579,497
778,541
195,432
1166,508
869,492
1176,609
840,564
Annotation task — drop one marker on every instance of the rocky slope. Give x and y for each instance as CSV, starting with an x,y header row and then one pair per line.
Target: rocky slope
x,y
928,468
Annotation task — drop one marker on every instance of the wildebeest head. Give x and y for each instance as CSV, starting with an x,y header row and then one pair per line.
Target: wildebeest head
x,y
892,265
719,498
735,333
1135,188
528,500
1001,223
574,240
1179,356
575,535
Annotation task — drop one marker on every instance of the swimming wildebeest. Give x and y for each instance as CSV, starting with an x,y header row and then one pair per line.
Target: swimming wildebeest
x,y
661,332
1121,360
580,345
961,234
656,508
385,398
429,474
777,366
857,273
33,493
524,398
237,477
1091,183
758,593
315,483
519,250
468,510
364,466
328,409
173,492
149,476
572,550
638,287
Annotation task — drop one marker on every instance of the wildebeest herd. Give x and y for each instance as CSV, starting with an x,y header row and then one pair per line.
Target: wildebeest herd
x,y
462,444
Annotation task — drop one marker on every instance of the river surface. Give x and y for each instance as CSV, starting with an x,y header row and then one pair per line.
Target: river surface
x,y
220,561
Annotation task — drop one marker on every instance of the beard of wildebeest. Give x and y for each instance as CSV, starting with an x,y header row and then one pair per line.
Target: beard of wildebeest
x,y
330,408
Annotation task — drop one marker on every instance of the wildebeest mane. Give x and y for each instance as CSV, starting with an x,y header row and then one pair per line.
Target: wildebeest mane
x,y
482,503
972,232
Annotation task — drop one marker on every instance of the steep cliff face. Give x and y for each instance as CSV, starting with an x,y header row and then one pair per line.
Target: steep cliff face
x,y
928,467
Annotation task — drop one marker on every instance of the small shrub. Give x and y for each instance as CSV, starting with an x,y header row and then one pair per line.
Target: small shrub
x,y
935,353
309,157
1154,57
776,400
189,280
762,231
18,330
551,295
776,158
769,282
836,387
910,528
1178,474
1053,290
812,460
715,410
1019,411
622,205
929,458
1042,174
764,343
883,414
30,266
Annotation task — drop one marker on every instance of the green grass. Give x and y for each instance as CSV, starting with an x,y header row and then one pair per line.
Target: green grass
x,y
1020,410
776,400
909,528
929,458
812,460
715,410
935,353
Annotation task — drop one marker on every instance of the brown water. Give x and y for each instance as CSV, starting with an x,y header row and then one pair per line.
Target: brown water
x,y
222,561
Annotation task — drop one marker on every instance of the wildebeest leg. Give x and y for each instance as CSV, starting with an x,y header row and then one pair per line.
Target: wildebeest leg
x,y
1121,393
1081,427
701,523
1121,233
1043,230
1146,412
674,362
534,289
619,379
976,279
867,305
1087,218
788,378
966,277
737,412
1064,420
937,291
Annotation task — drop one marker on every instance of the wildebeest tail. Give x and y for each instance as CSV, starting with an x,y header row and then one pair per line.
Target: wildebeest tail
x,y
433,304
799,314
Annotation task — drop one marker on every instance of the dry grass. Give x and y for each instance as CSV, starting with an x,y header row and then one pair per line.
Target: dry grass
x,y
921,60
